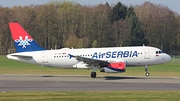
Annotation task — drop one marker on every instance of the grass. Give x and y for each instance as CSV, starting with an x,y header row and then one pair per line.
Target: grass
x,y
171,69
92,96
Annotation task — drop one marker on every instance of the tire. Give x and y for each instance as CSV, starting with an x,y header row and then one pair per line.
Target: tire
x,y
147,74
93,74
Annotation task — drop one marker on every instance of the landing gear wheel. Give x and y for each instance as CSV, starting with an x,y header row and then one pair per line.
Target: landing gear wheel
x,y
146,70
147,74
93,74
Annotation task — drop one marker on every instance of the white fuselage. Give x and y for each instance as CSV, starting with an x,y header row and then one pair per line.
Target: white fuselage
x,y
133,56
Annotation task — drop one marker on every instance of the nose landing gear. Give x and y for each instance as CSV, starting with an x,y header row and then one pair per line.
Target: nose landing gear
x,y
146,70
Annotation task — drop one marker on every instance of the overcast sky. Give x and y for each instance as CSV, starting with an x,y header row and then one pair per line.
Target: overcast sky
x,y
172,4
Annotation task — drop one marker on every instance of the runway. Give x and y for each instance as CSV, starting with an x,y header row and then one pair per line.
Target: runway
x,y
30,82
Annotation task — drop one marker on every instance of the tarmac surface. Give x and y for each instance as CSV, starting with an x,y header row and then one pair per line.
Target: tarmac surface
x,y
31,82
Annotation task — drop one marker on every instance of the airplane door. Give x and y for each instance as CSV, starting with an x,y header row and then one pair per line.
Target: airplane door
x,y
146,54
45,58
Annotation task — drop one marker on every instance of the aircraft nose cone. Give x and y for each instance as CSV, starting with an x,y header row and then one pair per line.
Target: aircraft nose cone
x,y
168,58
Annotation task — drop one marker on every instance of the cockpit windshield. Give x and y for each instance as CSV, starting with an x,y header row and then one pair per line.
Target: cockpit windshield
x,y
159,52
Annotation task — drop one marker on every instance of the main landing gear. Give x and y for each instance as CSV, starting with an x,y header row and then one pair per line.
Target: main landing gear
x,y
146,70
93,73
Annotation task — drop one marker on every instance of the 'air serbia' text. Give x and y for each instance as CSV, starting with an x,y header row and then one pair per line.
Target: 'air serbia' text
x,y
115,54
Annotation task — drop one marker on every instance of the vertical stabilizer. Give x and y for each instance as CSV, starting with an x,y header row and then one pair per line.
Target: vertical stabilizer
x,y
22,40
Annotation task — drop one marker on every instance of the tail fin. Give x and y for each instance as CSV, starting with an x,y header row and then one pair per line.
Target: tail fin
x,y
22,40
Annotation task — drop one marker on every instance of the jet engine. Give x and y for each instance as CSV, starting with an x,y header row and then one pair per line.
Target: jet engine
x,y
115,67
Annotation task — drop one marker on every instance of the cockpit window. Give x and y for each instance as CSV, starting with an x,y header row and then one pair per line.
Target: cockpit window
x,y
159,52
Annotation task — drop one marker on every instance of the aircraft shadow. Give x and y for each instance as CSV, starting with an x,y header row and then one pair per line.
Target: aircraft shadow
x,y
122,78
103,77
49,76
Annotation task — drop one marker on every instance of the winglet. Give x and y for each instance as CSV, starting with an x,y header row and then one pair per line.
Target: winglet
x,y
22,40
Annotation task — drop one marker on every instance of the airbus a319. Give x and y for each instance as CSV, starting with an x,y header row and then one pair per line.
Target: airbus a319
x,y
108,60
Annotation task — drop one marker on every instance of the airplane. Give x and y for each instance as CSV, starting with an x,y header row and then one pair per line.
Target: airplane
x,y
107,59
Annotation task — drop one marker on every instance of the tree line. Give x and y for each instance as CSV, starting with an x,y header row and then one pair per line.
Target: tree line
x,y
68,24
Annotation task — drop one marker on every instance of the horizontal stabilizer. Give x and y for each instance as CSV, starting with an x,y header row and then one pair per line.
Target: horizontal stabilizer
x,y
26,57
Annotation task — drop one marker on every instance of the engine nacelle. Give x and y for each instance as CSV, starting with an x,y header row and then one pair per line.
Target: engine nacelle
x,y
115,67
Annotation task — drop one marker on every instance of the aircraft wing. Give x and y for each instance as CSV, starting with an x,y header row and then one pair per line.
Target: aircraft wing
x,y
90,61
